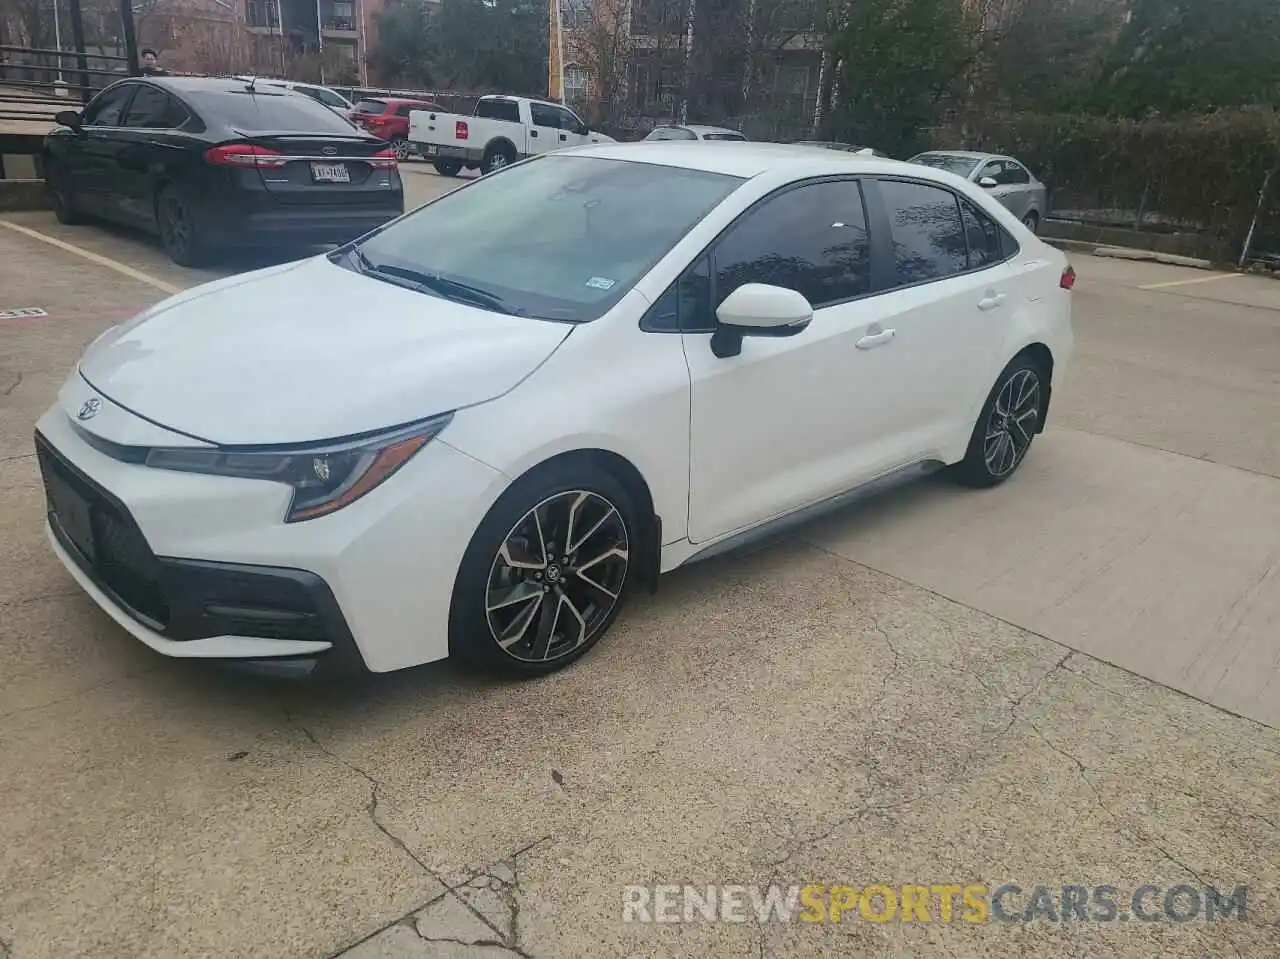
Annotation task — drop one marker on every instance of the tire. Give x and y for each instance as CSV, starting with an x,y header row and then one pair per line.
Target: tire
x,y
448,167
516,614
180,227
496,157
403,148
64,205
1007,426
1032,221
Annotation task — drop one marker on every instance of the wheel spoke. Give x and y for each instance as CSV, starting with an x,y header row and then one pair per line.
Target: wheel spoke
x,y
572,520
1020,426
515,632
548,616
613,552
604,594
514,595
576,545
567,602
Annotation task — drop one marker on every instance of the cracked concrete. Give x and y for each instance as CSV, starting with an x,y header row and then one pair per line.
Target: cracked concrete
x,y
815,711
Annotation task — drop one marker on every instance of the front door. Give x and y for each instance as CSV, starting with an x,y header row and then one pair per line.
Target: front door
x,y
93,150
544,128
789,421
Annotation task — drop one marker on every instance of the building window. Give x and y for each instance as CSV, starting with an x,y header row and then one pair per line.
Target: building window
x,y
575,14
261,13
575,83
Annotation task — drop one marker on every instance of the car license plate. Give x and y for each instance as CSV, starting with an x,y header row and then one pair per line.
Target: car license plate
x,y
430,150
72,514
330,173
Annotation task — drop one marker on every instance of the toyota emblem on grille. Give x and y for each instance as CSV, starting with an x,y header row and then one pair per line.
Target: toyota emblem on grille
x,y
90,409
330,151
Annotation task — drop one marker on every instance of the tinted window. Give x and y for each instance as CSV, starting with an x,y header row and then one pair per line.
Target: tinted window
x,y
686,306
983,235
543,115
993,170
558,237
812,239
928,237
154,110
406,108
500,110
724,136
105,110
568,121
369,106
270,112
671,133
327,97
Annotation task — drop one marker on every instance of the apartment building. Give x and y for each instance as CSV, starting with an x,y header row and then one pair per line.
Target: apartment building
x,y
327,39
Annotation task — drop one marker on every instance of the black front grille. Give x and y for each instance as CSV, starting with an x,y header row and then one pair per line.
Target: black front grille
x,y
119,558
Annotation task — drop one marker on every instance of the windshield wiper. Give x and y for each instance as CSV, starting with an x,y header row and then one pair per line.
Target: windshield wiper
x,y
434,283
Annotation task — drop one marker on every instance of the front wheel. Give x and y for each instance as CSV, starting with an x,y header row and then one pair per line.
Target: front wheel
x,y
544,576
1008,424
1032,221
64,203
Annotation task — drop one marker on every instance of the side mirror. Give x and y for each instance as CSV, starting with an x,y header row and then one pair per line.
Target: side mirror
x,y
67,118
757,309
987,182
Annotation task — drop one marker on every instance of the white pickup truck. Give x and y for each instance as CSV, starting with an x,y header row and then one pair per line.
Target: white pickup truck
x,y
501,131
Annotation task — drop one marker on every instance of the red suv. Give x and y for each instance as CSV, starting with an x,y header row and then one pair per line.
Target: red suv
x,y
388,118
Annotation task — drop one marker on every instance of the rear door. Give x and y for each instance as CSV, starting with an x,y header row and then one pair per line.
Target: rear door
x,y
516,128
149,142
322,159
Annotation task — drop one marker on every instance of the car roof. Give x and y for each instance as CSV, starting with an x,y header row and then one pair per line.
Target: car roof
x,y
746,160
960,154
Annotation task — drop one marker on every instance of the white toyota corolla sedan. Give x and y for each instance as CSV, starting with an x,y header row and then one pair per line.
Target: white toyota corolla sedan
x,y
470,432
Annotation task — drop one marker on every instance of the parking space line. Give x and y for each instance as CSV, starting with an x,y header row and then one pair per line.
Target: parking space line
x,y
1200,279
92,257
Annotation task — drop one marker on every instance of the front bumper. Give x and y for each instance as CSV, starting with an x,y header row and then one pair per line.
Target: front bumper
x,y
204,567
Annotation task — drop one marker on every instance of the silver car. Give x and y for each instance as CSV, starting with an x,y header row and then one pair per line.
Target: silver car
x,y
693,131
1003,177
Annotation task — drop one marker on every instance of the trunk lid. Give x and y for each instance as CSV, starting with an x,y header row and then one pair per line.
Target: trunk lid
x,y
322,168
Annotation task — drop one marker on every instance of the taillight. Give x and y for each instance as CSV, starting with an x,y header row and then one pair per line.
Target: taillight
x,y
383,160
243,155
1068,280
460,131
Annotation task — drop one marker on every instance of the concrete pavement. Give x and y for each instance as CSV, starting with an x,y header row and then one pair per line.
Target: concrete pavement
x,y
916,691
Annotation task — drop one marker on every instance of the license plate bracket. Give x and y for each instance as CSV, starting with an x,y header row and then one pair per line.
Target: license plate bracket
x,y
330,173
71,512
430,150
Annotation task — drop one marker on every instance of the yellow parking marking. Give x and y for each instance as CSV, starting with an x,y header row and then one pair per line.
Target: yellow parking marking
x,y
92,257
1200,279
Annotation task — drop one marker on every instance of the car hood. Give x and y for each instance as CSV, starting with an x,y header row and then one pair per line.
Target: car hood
x,y
310,351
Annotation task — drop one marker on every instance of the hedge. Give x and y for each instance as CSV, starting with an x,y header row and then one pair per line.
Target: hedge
x,y
1199,173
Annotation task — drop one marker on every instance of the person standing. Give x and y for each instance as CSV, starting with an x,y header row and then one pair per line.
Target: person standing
x,y
151,64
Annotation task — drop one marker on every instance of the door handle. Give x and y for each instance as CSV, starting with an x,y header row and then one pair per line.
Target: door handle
x,y
991,302
533,133
872,340
563,137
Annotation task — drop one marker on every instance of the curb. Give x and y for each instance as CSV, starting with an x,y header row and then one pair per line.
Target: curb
x,y
1125,253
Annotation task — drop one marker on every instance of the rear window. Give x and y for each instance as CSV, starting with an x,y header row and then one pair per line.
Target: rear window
x,y
671,133
271,112
725,136
499,110
960,166
370,106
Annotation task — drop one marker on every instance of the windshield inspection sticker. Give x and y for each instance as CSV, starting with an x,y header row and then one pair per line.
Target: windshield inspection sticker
x,y
601,283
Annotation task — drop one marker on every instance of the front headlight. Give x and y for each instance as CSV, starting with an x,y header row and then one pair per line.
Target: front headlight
x,y
325,476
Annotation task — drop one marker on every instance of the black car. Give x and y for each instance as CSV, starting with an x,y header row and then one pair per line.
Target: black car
x,y
211,164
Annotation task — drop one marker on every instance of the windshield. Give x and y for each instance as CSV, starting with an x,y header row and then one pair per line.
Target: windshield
x,y
278,111
555,237
327,97
960,166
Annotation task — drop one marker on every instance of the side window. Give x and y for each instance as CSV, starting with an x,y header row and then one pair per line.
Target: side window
x,y
1015,173
568,121
106,109
983,235
544,116
152,109
994,170
686,305
499,110
812,239
928,236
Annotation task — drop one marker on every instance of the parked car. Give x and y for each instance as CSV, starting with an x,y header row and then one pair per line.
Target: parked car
x,y
844,147
693,131
472,431
216,163
499,132
388,118
330,98
1003,177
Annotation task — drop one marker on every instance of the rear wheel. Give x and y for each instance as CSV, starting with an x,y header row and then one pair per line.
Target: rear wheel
x,y
1006,427
544,576
1032,221
496,157
180,227
402,147
448,167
